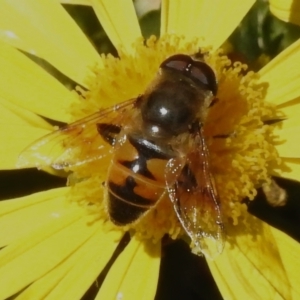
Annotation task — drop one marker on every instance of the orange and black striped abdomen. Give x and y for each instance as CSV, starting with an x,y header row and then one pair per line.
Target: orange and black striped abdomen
x,y
136,179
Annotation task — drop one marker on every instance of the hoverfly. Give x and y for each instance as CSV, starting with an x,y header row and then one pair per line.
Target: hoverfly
x,y
158,148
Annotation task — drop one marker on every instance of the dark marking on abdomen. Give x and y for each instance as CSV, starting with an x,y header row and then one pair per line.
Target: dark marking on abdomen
x,y
146,150
122,211
126,192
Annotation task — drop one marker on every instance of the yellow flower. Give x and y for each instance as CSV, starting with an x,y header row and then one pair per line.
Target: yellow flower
x,y
56,248
286,10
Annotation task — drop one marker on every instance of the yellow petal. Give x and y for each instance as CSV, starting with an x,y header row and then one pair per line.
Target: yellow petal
x,y
45,29
143,7
286,133
72,278
251,267
286,10
21,216
289,251
213,20
290,108
25,84
119,20
290,168
282,75
17,114
134,274
32,256
76,2
8,206
18,128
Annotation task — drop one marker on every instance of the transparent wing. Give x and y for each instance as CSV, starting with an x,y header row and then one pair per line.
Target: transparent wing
x,y
76,143
191,189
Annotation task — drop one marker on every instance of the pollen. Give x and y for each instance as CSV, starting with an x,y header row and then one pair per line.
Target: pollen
x,y
239,139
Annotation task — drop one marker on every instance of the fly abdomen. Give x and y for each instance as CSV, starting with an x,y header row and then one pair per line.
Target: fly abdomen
x,y
130,195
136,178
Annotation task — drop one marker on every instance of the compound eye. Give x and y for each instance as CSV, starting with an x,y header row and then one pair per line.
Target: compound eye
x,y
203,73
177,62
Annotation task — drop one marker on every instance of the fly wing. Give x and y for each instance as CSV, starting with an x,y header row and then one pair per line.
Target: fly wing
x,y
76,143
191,189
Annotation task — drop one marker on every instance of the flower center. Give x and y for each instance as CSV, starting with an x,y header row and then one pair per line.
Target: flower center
x,y
238,139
